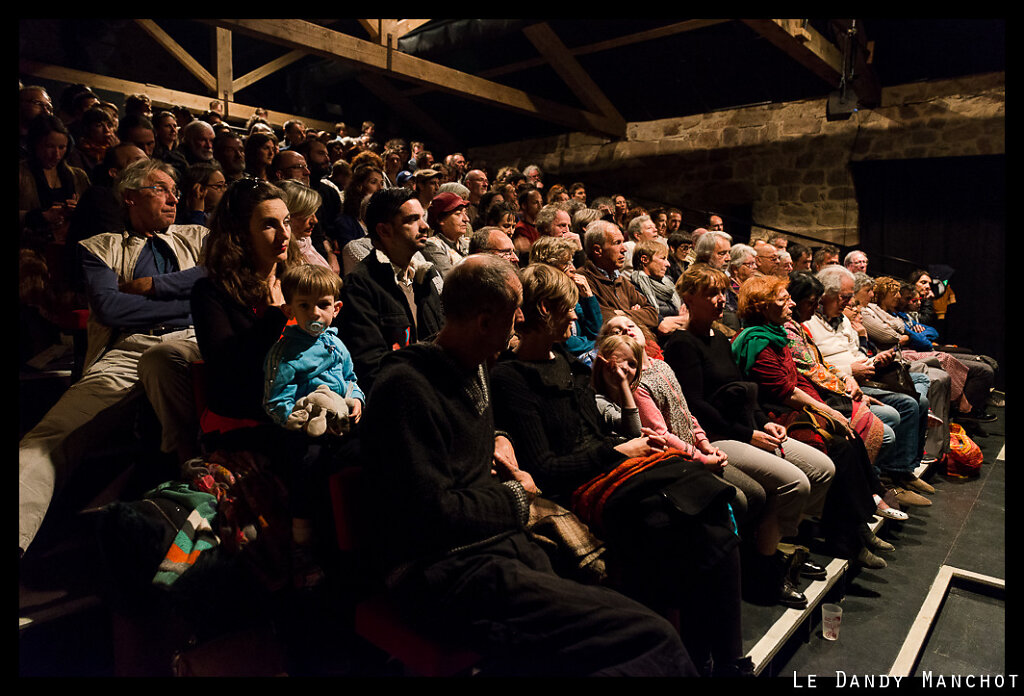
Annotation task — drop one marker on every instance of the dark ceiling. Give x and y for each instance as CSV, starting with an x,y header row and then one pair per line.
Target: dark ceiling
x,y
721,66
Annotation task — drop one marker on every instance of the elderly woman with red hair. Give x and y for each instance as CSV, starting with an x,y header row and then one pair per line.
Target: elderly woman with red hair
x,y
789,397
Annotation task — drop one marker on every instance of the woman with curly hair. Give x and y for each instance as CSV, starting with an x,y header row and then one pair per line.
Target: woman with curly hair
x,y
237,307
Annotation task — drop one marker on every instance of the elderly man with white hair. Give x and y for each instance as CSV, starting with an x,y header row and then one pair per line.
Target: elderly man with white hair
x,y
835,337
856,261
141,341
605,249
195,146
639,229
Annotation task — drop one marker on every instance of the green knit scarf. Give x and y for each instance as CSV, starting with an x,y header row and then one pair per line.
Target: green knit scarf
x,y
749,343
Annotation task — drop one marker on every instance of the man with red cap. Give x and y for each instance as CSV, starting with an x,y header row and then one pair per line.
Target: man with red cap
x,y
449,223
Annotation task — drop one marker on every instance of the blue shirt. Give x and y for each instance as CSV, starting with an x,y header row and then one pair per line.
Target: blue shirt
x,y
169,304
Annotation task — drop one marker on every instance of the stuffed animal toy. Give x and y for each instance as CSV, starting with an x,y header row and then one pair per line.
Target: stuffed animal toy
x,y
322,411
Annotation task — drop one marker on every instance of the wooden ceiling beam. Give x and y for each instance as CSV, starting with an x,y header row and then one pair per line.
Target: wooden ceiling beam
x,y
618,42
160,96
224,64
551,48
378,29
321,41
179,53
269,68
802,42
394,98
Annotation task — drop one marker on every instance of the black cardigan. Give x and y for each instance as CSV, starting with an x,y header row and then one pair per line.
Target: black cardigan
x,y
234,343
703,366
554,425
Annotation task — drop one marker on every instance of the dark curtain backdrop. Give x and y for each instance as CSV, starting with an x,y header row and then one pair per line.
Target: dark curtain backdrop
x,y
948,211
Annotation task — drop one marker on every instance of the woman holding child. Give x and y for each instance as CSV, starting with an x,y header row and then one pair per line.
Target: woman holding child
x,y
240,312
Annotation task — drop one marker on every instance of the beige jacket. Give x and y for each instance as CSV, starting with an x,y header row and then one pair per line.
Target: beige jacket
x,y
120,251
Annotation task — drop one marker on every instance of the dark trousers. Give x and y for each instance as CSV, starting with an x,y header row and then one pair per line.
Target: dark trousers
x,y
506,602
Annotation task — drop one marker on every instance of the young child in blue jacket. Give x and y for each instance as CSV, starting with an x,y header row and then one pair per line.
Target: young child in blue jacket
x,y
308,354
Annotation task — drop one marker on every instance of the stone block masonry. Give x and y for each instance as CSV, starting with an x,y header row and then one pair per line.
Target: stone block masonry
x,y
787,162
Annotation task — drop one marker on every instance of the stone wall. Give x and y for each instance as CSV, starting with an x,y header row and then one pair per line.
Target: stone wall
x,y
786,163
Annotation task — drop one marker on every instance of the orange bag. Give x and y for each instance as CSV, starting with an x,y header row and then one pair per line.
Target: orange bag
x,y
965,457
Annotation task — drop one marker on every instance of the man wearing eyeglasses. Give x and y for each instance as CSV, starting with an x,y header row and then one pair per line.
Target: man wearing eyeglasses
x,y
33,100
767,257
289,164
493,240
138,282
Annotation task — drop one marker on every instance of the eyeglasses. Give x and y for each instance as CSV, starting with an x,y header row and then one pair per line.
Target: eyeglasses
x,y
511,253
218,187
162,190
45,106
303,167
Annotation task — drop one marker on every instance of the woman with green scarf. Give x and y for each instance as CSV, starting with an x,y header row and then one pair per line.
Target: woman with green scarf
x,y
762,352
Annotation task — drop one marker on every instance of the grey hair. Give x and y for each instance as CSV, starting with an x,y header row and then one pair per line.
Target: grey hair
x,y
454,187
596,233
136,175
634,225
706,244
860,279
195,125
488,283
583,217
546,215
738,254
481,238
852,255
831,278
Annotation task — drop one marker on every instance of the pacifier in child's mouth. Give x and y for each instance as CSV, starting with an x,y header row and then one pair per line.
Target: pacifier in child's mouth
x,y
316,327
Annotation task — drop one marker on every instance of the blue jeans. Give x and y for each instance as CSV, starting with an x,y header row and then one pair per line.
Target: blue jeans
x,y
911,422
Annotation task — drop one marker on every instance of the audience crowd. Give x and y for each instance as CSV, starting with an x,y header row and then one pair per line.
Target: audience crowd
x,y
708,408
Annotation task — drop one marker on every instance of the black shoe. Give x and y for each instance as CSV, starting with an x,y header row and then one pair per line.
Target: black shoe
x,y
978,415
791,597
813,571
743,667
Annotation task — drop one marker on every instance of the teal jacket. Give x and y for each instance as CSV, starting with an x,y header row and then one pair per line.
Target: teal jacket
x,y
298,363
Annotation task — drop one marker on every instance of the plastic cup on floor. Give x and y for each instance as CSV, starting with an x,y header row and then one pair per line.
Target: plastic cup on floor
x,y
831,617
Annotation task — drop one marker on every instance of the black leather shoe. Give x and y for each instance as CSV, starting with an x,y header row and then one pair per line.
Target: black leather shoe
x,y
813,571
791,597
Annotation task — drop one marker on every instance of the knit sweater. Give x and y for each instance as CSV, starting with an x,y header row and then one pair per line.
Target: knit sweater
x,y
550,411
428,440
703,365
